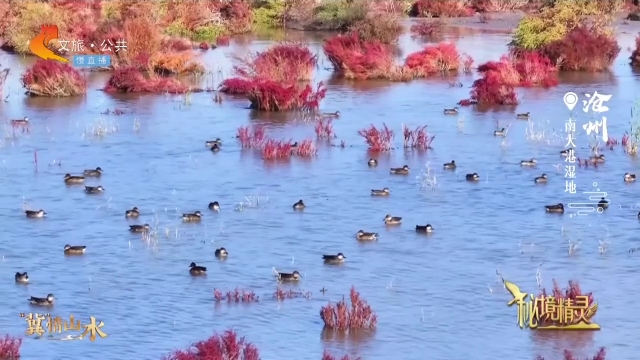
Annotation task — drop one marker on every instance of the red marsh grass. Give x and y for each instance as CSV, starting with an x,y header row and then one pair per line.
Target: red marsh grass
x,y
378,139
379,26
354,58
130,79
427,28
223,41
442,57
281,295
324,129
341,316
225,346
326,355
251,136
10,347
236,296
568,355
418,139
285,62
280,149
635,54
175,63
431,8
584,48
268,95
53,79
571,292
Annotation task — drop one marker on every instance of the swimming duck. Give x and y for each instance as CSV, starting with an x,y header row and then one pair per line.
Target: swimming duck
x,y
334,259
472,177
331,114
598,159
451,166
215,148
629,177
373,162
139,228
214,206
133,213
69,179
566,152
222,252
299,205
193,217
559,208
294,276
525,116
295,144
638,218
383,192
541,179
74,250
196,270
392,220
530,162
210,143
369,236
400,171
22,278
93,190
603,203
23,121
48,301
451,111
35,213
501,132
424,228
97,172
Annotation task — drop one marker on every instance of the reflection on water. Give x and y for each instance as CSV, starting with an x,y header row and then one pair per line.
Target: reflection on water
x,y
430,293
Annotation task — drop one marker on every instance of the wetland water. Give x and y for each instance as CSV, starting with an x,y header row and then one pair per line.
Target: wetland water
x,y
431,293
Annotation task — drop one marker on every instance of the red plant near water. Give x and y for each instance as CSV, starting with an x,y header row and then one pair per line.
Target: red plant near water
x,y
635,54
568,355
378,139
434,59
435,8
356,59
287,62
290,294
10,347
227,346
53,79
236,86
276,149
235,296
251,136
223,41
491,90
326,355
324,129
571,292
268,95
427,29
583,49
341,316
130,79
417,139
305,148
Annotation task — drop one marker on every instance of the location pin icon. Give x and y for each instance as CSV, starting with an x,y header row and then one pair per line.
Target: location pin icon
x,y
570,99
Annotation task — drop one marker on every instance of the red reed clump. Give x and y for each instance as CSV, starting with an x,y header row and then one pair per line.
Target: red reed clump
x,y
285,62
223,41
534,69
236,86
571,292
10,347
417,139
467,63
583,49
434,59
377,139
625,139
251,136
437,8
356,59
176,44
326,355
635,54
342,317
324,129
235,296
290,294
54,79
491,90
268,95
227,346
276,149
203,46
427,28
568,355
130,79
305,148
